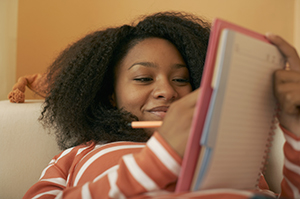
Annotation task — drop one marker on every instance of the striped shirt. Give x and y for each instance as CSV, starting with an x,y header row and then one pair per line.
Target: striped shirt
x,y
139,170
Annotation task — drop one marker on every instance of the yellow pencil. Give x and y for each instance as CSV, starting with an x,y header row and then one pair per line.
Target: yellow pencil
x,y
146,124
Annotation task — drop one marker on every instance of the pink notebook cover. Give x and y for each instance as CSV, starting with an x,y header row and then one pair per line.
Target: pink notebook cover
x,y
193,145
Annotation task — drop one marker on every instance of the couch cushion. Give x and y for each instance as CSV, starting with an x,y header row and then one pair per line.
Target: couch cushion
x,y
25,147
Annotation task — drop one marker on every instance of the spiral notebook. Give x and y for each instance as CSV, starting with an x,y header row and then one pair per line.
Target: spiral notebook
x,y
235,115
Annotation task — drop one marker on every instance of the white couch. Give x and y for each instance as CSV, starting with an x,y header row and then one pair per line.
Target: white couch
x,y
26,148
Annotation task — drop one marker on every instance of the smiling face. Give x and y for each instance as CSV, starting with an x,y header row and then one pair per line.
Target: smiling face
x,y
149,78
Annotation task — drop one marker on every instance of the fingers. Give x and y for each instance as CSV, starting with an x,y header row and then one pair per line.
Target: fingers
x,y
287,86
287,50
188,101
288,96
286,76
177,122
191,98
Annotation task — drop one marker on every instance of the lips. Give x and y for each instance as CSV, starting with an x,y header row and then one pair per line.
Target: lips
x,y
159,111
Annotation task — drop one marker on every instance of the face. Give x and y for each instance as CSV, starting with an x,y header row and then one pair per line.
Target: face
x,y
149,78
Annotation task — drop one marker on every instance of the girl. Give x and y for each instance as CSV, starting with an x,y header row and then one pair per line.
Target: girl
x,y
148,71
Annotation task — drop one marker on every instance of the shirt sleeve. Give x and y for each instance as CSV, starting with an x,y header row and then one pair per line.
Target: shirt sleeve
x,y
290,185
155,167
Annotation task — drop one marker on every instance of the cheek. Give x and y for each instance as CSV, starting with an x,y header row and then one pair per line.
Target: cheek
x,y
130,100
184,91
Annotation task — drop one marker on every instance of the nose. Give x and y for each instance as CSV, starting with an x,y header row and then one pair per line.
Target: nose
x,y
164,90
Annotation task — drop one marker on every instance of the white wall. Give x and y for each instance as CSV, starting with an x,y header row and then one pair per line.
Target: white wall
x,y
8,45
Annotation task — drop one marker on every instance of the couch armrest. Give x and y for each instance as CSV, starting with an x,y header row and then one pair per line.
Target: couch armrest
x,y
25,147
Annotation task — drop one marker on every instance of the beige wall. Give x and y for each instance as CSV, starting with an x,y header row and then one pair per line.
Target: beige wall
x,y
8,45
47,27
297,25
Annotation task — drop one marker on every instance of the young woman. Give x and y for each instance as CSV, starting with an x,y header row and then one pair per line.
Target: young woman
x,y
148,71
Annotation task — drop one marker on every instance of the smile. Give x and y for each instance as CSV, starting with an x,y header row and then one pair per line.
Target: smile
x,y
160,111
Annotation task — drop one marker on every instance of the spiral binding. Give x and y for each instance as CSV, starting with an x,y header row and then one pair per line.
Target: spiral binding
x,y
273,127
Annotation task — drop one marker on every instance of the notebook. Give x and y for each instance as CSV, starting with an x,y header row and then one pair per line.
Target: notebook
x,y
234,117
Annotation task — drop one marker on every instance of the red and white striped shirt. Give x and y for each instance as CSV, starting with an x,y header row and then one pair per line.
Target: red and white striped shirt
x,y
138,170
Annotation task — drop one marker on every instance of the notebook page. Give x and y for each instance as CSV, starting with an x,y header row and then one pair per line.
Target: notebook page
x,y
242,113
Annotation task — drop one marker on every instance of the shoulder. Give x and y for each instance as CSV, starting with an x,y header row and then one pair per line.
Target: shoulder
x,y
100,159
65,159
110,152
87,150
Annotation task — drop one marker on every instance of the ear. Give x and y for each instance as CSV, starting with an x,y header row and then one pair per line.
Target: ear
x,y
112,100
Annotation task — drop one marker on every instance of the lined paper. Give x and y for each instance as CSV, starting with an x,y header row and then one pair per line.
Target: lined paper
x,y
241,112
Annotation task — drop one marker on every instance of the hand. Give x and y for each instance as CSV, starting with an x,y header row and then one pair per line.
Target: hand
x,y
177,122
287,86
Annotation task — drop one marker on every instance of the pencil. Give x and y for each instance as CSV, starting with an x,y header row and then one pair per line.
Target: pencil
x,y
145,124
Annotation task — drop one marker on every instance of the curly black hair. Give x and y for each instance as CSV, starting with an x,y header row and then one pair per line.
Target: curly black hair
x,y
81,80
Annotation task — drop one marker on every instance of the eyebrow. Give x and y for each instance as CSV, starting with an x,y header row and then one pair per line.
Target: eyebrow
x,y
154,65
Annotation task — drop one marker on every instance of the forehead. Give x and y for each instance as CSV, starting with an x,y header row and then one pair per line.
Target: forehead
x,y
152,50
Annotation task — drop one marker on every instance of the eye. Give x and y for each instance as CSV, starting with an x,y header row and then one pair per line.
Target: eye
x,y
181,80
143,79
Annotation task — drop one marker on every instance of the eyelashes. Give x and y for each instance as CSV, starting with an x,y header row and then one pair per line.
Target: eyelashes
x,y
182,80
148,80
143,79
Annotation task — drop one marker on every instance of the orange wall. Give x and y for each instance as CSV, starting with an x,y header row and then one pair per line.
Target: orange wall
x,y
47,27
8,45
